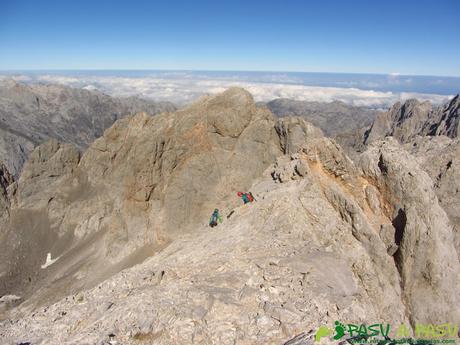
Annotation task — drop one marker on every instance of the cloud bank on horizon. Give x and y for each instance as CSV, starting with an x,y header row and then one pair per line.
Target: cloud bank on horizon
x,y
183,88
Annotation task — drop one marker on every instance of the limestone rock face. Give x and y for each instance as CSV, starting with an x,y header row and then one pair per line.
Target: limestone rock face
x,y
187,163
346,124
333,118
47,164
446,121
430,134
439,156
5,180
426,258
403,121
292,132
131,255
5,177
413,118
33,114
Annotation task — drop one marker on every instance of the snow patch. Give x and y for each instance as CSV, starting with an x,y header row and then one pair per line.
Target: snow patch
x,y
9,298
49,261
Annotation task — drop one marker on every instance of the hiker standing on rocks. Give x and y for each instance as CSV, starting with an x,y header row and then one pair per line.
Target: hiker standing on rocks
x,y
215,217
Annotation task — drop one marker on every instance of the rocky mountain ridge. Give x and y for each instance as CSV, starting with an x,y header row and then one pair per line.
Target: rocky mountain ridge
x,y
431,135
405,121
134,259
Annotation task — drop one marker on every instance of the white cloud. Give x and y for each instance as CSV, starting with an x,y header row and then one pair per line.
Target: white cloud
x,y
19,78
89,87
182,88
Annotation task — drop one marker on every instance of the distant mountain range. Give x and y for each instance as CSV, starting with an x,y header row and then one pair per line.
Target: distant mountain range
x,y
333,118
32,114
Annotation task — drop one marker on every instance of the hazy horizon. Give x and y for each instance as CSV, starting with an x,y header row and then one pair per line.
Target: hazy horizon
x,y
32,70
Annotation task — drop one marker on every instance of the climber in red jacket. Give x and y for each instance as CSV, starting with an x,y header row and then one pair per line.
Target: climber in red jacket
x,y
247,197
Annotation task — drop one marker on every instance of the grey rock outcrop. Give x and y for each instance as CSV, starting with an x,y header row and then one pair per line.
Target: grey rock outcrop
x,y
333,118
5,180
413,118
46,165
293,131
32,114
344,123
426,254
439,156
403,121
430,134
446,121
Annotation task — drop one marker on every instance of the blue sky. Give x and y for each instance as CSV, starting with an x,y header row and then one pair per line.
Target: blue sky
x,y
408,37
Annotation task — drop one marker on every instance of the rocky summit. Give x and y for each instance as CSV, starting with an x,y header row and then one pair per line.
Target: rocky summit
x,y
405,121
113,246
430,134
